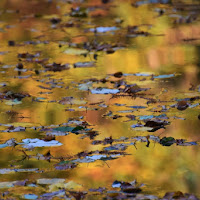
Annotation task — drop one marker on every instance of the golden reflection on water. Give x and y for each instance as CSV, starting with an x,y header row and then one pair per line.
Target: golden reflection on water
x,y
160,168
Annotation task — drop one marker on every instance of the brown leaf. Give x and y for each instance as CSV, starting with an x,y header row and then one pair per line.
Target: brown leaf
x,y
49,137
155,123
78,195
118,74
131,117
19,66
110,51
108,140
182,105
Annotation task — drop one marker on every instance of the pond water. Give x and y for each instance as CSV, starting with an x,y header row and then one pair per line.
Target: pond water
x,y
94,92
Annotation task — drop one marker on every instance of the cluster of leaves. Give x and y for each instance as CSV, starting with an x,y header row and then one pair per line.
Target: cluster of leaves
x,y
123,143
60,188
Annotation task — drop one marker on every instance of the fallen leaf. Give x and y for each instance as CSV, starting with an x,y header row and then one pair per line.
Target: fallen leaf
x,y
167,141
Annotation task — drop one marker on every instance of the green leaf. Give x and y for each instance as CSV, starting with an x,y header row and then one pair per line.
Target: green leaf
x,y
76,129
64,129
167,141
69,129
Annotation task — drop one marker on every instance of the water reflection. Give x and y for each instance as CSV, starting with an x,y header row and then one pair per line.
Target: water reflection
x,y
170,47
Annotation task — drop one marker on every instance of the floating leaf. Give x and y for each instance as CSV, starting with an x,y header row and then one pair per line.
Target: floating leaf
x,y
64,129
104,91
72,185
182,142
76,129
8,171
9,143
7,184
49,195
131,190
164,76
65,185
116,184
137,107
133,89
118,74
93,158
3,145
179,195
78,12
167,141
12,102
182,105
145,117
84,64
30,196
100,189
140,74
85,86
29,143
156,123
137,125
194,105
103,29
65,165
50,181
125,111
75,51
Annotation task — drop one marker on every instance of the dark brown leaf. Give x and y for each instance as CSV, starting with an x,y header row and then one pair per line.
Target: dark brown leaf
x,y
118,74
182,105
